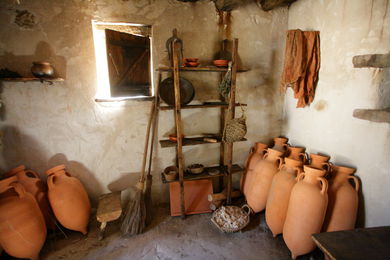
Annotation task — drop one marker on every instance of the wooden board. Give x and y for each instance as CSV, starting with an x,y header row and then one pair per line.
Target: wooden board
x,y
26,79
190,141
195,197
200,69
109,207
205,105
357,244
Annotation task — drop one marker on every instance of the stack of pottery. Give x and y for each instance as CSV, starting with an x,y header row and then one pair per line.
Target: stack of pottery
x,y
261,179
279,194
343,200
306,211
22,226
35,186
68,199
256,154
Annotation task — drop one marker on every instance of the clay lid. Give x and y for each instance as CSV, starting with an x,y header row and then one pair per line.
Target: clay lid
x,y
15,171
343,169
55,169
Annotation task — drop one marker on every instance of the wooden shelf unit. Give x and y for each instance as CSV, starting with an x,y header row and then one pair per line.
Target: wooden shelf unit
x,y
227,106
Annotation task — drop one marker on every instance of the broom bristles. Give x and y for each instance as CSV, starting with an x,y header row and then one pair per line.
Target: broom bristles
x,y
133,222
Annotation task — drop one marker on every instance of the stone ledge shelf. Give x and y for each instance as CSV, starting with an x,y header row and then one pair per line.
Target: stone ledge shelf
x,y
372,60
373,115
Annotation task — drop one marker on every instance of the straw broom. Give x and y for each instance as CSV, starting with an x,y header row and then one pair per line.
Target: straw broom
x,y
135,215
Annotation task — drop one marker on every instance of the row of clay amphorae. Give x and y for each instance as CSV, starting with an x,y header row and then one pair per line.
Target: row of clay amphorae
x,y
25,212
296,196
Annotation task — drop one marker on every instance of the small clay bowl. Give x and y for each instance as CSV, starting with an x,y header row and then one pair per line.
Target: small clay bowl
x,y
170,173
192,64
196,168
173,137
221,63
191,59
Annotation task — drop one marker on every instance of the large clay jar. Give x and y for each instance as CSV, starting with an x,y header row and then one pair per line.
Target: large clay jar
x,y
22,226
280,144
34,185
296,153
256,154
306,211
279,194
263,173
343,200
68,199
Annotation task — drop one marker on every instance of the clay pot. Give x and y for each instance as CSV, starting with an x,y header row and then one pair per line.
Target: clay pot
x,y
343,200
68,199
256,154
279,194
306,211
297,153
320,161
35,186
22,226
280,144
261,179
42,69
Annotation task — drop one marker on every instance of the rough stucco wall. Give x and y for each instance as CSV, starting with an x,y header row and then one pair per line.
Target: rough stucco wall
x,y
347,28
102,143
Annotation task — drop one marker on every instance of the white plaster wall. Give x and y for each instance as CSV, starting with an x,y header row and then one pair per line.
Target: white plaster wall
x,y
102,143
347,28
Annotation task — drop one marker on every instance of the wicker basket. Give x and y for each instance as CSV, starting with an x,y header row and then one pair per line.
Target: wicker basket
x,y
231,219
235,130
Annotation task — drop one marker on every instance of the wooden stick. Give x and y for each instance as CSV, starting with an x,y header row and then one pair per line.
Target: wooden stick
x,y
179,148
222,196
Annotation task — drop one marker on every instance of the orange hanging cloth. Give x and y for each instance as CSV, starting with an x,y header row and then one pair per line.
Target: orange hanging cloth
x,y
301,64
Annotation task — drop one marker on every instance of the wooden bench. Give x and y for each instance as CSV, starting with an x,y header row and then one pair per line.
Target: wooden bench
x,y
109,209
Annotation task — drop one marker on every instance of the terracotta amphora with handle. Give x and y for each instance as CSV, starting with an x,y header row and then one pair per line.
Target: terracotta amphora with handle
x,y
279,194
280,144
68,199
297,153
34,185
263,173
22,226
256,154
343,199
306,211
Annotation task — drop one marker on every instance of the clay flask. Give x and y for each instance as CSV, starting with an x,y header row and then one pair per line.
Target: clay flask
x,y
343,200
279,194
68,199
263,173
256,154
306,211
35,186
22,226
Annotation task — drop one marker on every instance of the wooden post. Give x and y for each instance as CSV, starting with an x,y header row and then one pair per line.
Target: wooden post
x,y
179,148
221,128
231,114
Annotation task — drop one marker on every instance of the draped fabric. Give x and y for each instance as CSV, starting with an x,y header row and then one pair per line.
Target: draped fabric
x,y
301,64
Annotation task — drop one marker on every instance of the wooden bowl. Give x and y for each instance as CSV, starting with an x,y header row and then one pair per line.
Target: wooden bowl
x,y
196,168
221,63
171,173
173,137
191,59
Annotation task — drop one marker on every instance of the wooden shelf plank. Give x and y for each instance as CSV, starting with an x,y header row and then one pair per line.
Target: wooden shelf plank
x,y
201,69
32,79
191,141
205,175
204,105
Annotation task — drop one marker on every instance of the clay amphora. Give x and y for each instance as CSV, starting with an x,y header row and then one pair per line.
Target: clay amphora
x,y
343,200
68,199
256,154
306,211
34,185
263,173
296,153
22,226
279,194
280,144
319,161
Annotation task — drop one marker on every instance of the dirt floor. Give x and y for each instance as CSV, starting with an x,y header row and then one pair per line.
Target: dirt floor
x,y
172,238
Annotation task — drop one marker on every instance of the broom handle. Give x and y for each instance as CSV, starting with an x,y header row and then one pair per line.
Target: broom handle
x,y
142,177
